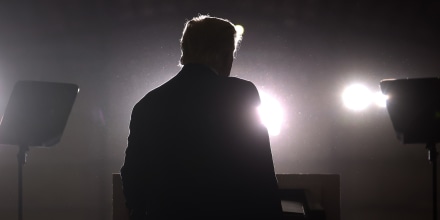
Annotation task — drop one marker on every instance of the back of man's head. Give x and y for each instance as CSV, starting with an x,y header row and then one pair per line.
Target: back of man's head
x,y
207,38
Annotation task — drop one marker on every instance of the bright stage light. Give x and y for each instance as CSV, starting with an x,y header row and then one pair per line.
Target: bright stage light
x,y
357,97
271,114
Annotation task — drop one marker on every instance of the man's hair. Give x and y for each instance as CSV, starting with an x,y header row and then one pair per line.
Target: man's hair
x,y
205,36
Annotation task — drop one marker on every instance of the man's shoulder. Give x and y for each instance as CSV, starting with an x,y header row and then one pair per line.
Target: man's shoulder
x,y
239,80
242,85
239,87
148,99
239,83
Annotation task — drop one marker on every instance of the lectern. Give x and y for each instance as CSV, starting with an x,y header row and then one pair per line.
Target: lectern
x,y
35,116
414,108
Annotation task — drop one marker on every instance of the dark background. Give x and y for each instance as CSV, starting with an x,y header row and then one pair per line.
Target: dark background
x,y
303,52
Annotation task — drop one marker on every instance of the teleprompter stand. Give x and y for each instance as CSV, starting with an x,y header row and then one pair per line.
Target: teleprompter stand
x,y
432,157
414,108
35,116
21,158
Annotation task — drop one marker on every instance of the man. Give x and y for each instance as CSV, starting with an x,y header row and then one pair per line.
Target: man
x,y
197,148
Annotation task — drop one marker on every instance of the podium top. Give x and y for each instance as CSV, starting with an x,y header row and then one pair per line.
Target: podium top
x,y
37,113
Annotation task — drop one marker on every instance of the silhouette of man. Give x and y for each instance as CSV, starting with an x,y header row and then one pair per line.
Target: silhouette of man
x,y
197,148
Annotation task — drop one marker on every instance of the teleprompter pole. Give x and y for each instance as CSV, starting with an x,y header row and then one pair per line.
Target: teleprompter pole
x,y
21,158
432,157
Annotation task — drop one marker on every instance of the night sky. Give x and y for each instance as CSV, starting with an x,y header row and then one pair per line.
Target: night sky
x,y
302,52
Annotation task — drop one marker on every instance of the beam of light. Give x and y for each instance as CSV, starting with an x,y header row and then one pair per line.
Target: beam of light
x,y
271,114
357,97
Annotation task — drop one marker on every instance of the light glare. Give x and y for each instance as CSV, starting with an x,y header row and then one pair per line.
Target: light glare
x,y
271,114
357,97
239,29
380,99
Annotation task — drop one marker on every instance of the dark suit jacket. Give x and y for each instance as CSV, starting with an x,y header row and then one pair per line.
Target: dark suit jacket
x,y
197,149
